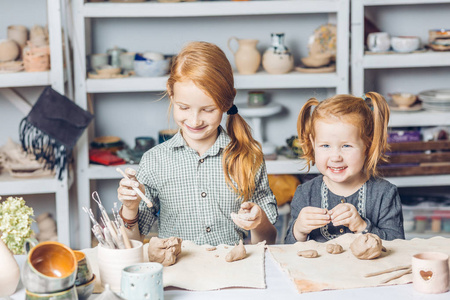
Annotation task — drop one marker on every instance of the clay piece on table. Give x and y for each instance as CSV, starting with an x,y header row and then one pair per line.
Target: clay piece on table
x,y
164,251
237,253
210,248
308,253
334,249
367,246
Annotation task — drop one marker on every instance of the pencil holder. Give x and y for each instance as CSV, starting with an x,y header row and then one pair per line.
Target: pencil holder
x,y
430,272
142,281
112,261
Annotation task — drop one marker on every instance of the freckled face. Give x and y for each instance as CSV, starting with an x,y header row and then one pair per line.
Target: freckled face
x,y
339,152
196,114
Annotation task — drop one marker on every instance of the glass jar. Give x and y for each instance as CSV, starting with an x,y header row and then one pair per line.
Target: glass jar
x,y
446,224
436,223
421,224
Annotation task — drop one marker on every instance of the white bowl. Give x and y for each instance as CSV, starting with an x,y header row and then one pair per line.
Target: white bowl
x,y
405,43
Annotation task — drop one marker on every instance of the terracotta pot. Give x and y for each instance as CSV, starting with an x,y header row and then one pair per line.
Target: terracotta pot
x,y
36,59
247,57
9,279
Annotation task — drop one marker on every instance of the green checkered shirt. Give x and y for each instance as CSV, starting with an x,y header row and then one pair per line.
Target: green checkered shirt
x,y
190,193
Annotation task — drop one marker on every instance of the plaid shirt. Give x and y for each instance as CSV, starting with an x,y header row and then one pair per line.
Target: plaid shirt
x,y
190,193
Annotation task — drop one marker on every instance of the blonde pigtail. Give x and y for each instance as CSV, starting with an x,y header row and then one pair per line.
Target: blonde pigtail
x,y
304,131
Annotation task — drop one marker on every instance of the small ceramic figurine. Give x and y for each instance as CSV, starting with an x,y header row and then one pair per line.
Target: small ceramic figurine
x,y
277,59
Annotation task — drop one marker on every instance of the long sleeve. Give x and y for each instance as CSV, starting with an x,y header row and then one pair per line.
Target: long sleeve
x,y
299,201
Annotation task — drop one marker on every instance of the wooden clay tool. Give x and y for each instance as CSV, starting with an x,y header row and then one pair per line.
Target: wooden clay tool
x,y
137,190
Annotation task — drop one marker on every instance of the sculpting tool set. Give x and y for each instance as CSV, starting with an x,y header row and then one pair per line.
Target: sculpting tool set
x,y
112,234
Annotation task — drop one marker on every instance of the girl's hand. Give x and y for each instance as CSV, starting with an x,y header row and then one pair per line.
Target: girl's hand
x,y
125,193
308,219
347,215
249,216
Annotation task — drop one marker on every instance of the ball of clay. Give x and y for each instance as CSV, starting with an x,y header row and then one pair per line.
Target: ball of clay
x,y
367,246
308,253
164,251
334,249
237,253
9,50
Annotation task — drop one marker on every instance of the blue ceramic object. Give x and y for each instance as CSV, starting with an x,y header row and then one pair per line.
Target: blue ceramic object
x,y
142,282
145,67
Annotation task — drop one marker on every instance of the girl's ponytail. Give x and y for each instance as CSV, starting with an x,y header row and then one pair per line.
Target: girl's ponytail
x,y
304,131
379,144
242,158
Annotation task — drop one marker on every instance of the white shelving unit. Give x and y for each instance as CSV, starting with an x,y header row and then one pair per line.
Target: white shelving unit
x,y
338,82
56,78
361,62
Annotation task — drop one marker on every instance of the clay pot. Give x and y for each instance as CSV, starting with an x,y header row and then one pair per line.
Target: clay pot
x,y
19,34
9,50
9,279
246,57
277,59
36,59
38,36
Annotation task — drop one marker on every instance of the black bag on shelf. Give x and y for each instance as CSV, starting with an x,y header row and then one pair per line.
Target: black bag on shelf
x,y
52,128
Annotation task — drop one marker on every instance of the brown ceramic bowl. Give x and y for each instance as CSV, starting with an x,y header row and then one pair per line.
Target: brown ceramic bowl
x,y
317,60
403,99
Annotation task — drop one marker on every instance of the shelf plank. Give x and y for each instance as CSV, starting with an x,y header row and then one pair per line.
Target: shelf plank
x,y
400,2
406,60
23,79
206,9
419,118
425,235
260,80
424,180
18,186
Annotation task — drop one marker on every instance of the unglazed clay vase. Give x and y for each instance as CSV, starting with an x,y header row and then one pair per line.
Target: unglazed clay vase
x,y
277,59
112,261
9,50
246,57
10,274
430,272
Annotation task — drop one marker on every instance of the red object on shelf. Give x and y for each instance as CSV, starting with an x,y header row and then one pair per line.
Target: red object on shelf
x,y
420,218
105,157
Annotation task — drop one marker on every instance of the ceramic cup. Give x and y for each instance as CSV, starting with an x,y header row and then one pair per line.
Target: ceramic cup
x,y
430,272
378,41
112,261
98,60
257,98
127,60
144,143
50,267
165,135
84,272
142,281
405,43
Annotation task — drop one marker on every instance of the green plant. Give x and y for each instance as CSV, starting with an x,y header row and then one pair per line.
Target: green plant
x,y
15,223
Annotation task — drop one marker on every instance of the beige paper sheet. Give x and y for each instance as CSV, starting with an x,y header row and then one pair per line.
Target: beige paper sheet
x,y
200,270
345,271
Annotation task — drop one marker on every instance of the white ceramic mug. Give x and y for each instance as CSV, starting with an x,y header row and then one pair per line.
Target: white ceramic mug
x,y
378,41
143,281
430,272
112,261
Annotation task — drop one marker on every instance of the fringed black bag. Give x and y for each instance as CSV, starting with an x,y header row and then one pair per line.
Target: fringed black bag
x,y
52,128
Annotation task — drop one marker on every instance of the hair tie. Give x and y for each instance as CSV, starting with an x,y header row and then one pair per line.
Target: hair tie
x,y
233,110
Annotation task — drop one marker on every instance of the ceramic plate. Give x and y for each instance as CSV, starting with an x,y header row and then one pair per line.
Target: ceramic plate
x,y
323,40
435,96
325,69
396,108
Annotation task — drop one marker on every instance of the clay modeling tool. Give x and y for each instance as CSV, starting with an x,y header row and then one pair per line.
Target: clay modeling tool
x,y
137,190
121,226
108,238
99,236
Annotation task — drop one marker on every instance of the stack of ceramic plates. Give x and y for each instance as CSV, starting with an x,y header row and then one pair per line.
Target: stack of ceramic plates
x,y
437,100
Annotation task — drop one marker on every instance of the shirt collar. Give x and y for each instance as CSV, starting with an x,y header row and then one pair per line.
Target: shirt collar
x,y
221,142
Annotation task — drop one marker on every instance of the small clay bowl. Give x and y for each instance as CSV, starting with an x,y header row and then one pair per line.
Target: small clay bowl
x,y
403,100
84,271
107,70
317,60
84,291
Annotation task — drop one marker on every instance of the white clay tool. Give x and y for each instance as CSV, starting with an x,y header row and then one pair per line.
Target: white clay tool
x,y
137,190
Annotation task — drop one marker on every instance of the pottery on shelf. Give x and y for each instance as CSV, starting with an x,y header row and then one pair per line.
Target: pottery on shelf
x,y
277,59
403,100
316,60
9,50
9,278
247,57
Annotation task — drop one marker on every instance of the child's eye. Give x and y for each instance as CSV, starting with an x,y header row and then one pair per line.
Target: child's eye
x,y
325,146
209,110
183,107
346,146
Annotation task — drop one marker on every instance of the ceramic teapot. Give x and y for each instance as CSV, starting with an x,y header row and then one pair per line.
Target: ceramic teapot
x,y
10,279
277,59
246,57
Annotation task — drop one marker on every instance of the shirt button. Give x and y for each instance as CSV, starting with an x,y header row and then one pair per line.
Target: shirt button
x,y
202,160
203,194
342,200
208,229
341,230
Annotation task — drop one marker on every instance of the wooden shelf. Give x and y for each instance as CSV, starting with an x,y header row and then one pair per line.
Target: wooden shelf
x,y
400,2
419,118
207,9
406,60
23,79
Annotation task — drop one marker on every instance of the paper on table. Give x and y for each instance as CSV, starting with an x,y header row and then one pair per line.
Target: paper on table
x,y
200,270
345,271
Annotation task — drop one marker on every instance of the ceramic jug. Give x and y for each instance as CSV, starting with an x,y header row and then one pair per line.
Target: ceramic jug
x,y
277,59
246,57
9,279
